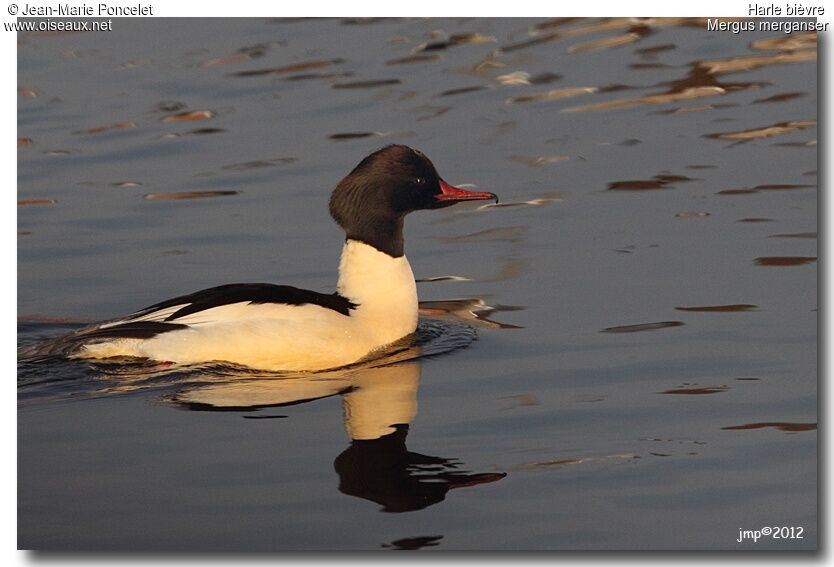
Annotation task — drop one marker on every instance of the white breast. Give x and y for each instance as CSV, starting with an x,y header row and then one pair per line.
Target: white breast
x,y
383,288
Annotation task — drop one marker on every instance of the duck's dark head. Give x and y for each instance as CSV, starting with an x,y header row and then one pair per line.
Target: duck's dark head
x,y
371,202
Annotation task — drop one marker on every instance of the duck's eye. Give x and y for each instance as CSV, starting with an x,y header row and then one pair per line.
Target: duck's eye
x,y
419,181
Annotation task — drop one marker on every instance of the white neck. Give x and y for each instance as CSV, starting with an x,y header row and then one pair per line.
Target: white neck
x,y
383,287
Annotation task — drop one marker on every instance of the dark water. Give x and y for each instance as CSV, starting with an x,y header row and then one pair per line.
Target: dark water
x,y
644,296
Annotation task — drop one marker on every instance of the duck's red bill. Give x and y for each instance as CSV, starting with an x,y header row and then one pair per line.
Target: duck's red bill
x,y
452,194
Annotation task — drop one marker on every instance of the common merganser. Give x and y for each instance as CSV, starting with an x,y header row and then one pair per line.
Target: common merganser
x,y
277,327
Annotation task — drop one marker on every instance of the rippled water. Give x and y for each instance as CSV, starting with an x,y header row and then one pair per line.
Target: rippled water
x,y
216,385
644,374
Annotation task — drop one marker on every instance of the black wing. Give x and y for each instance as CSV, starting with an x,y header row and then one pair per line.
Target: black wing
x,y
256,293
132,330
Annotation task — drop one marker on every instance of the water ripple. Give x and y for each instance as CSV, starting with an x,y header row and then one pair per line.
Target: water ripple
x,y
50,378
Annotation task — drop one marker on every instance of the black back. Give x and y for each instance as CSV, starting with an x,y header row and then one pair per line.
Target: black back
x,y
255,293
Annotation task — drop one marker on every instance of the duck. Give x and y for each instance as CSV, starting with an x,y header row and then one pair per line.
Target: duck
x,y
284,328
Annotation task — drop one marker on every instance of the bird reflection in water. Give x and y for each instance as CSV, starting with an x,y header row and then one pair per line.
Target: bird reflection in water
x,y
377,465
379,403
